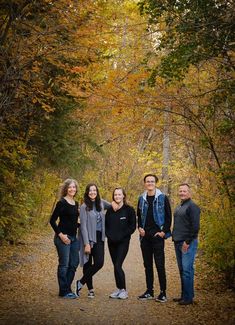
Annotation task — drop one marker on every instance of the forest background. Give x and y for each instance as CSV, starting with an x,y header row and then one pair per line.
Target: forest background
x,y
107,91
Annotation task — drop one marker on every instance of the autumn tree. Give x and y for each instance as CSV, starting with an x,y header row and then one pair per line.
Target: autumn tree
x,y
45,48
195,43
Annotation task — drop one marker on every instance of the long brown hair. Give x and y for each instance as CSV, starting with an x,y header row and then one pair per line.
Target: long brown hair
x,y
88,201
123,192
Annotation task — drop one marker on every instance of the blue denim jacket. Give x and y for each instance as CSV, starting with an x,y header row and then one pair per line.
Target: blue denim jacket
x,y
158,209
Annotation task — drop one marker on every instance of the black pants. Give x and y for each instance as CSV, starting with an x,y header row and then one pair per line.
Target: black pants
x,y
97,257
118,252
153,247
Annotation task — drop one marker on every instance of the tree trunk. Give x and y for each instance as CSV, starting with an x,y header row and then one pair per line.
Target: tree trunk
x,y
165,154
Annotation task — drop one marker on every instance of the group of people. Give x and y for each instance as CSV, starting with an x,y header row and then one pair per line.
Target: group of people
x,y
117,221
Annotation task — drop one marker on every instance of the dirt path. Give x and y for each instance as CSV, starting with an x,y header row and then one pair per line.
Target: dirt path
x,y
29,294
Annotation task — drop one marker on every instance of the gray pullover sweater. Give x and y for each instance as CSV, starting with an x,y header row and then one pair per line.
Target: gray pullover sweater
x,y
186,221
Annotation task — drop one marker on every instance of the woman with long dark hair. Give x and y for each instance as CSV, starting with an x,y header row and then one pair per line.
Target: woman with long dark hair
x,y
92,218
66,241
119,226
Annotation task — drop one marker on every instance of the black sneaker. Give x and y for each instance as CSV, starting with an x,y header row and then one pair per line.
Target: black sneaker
x,y
91,294
161,297
78,287
146,296
188,302
178,299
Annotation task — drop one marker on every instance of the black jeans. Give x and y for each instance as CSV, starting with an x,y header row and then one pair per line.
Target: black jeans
x,y
97,256
68,262
153,247
118,252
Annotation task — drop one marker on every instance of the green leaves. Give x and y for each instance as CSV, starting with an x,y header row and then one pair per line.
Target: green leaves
x,y
218,243
194,31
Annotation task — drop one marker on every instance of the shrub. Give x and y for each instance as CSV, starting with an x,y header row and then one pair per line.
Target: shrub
x,y
218,241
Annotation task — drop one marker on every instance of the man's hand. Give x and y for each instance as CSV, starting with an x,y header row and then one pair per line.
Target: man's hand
x,y
64,238
185,247
160,234
141,231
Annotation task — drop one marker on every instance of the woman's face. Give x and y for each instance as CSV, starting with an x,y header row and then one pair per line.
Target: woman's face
x,y
72,189
118,196
92,192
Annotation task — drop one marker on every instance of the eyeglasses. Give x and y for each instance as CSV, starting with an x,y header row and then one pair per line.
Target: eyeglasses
x,y
150,182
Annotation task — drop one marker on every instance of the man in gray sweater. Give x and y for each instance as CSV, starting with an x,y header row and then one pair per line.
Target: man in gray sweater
x,y
185,233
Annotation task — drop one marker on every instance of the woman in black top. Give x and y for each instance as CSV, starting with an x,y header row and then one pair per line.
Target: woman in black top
x,y
119,225
65,239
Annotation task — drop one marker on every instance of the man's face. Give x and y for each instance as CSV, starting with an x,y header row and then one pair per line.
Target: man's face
x,y
184,192
150,183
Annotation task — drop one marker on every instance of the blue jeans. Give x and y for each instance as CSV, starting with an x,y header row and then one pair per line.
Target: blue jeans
x,y
185,263
68,262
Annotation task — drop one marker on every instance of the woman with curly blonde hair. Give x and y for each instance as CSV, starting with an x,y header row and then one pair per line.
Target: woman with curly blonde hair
x,y
65,239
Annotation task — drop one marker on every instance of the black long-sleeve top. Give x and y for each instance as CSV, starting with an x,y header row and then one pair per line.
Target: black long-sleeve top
x,y
68,218
186,221
120,224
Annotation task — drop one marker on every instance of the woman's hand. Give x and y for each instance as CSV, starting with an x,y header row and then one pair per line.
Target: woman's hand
x,y
87,249
141,231
64,238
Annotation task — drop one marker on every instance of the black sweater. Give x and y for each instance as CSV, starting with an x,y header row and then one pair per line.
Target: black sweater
x,y
120,224
68,218
186,221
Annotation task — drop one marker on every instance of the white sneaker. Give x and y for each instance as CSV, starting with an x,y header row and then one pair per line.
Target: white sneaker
x,y
123,294
115,294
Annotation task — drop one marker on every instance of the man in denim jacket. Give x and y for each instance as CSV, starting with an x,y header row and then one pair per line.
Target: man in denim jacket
x,y
154,222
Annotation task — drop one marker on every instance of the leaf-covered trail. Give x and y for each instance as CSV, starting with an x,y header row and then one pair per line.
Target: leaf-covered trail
x,y
29,294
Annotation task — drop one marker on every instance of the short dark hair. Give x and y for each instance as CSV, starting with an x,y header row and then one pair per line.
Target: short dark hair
x,y
185,184
152,175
